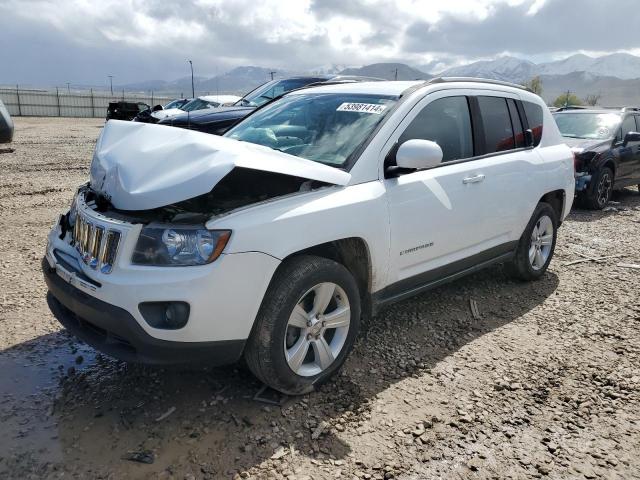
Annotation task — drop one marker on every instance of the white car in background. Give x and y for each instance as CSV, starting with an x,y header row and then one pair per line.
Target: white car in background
x,y
272,241
199,103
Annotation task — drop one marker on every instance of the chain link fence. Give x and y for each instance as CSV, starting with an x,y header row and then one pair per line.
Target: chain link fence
x,y
42,103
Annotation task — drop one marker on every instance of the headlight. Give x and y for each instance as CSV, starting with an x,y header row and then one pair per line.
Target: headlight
x,y
179,246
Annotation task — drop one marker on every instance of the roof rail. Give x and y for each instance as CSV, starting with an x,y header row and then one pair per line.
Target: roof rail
x,y
574,107
477,80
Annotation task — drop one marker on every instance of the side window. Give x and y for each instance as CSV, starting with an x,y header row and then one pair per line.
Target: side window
x,y
517,124
496,121
637,124
534,118
628,125
447,122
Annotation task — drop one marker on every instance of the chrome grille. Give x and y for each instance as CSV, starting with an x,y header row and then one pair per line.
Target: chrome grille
x,y
96,244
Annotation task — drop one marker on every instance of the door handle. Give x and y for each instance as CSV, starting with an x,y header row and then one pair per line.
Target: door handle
x,y
474,179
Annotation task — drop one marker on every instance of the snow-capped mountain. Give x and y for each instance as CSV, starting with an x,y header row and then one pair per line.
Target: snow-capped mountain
x,y
506,68
511,69
388,71
620,65
329,69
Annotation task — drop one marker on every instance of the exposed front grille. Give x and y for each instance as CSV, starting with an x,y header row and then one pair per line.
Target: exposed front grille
x,y
96,244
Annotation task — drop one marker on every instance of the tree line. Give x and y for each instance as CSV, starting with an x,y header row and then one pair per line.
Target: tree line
x,y
566,99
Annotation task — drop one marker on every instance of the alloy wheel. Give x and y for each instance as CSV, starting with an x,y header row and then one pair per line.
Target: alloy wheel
x,y
541,242
604,189
317,329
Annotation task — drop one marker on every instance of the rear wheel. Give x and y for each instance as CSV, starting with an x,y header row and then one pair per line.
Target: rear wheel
x,y
306,326
600,189
536,245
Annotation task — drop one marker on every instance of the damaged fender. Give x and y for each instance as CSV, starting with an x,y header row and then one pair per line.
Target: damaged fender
x,y
140,166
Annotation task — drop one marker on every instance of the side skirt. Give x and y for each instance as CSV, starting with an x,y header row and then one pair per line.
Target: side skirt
x,y
448,273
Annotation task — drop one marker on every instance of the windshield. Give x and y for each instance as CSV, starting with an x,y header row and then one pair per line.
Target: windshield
x,y
597,126
175,104
273,89
198,104
326,128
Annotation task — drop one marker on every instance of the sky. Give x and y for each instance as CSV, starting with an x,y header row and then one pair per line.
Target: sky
x,y
51,42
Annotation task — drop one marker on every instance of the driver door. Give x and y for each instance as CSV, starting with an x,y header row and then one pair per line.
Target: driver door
x,y
628,155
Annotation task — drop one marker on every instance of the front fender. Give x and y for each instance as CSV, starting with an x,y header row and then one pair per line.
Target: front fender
x,y
282,227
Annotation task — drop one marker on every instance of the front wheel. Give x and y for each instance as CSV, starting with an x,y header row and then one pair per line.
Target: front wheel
x,y
306,326
600,189
536,245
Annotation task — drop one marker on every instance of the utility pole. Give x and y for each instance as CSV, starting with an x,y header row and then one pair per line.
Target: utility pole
x,y
396,75
272,73
193,91
68,88
111,83
566,102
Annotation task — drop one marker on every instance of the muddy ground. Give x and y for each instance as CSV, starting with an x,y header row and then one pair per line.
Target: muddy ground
x,y
546,383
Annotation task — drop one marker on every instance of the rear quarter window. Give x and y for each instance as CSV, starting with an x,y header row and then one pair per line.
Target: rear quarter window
x,y
534,118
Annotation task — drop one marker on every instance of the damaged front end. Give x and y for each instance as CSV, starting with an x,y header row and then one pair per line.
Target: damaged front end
x,y
239,188
167,183
581,162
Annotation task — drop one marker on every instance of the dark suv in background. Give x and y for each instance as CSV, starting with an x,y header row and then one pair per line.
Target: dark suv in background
x,y
606,146
219,121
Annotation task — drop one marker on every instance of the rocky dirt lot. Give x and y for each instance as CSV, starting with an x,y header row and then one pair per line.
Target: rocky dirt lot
x,y
544,383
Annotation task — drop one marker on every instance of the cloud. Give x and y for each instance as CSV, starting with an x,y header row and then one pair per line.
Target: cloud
x,y
83,41
531,28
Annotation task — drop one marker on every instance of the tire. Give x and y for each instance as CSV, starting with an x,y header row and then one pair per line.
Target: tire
x,y
599,190
275,351
525,265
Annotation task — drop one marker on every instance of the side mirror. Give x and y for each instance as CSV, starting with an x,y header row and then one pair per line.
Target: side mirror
x,y
418,154
157,107
631,137
528,138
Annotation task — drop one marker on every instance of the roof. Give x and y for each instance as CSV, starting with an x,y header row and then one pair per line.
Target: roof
x,y
376,88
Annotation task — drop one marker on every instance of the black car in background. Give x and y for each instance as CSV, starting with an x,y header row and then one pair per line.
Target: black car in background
x,y
125,110
606,146
219,121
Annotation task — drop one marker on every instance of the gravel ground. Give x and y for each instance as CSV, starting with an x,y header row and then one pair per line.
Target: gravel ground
x,y
544,383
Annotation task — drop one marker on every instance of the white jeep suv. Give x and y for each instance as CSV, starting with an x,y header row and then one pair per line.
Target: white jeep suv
x,y
323,205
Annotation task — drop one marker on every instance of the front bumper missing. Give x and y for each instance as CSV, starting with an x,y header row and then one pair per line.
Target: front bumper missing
x,y
114,331
582,181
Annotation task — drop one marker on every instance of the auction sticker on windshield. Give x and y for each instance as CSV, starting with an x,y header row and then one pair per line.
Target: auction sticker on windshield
x,y
362,108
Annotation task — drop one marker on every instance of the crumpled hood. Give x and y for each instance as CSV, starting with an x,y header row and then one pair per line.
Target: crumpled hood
x,y
140,166
586,144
